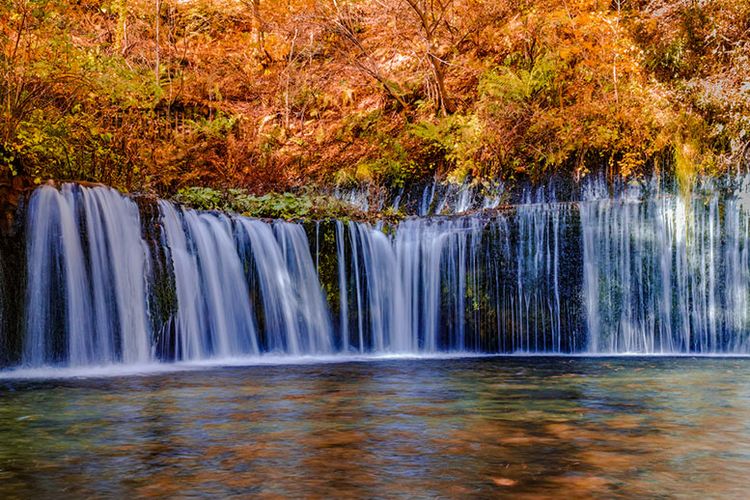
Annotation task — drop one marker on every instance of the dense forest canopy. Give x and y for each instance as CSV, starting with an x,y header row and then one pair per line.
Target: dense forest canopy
x,y
156,95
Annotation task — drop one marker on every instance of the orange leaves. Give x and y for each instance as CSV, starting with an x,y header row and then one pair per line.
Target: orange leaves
x,y
536,85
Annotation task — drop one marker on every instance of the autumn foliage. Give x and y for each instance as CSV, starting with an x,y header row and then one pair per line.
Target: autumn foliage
x,y
269,95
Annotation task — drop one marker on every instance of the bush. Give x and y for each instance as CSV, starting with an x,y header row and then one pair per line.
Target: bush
x,y
287,206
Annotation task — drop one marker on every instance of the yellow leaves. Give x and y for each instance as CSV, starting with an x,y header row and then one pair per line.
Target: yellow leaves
x,y
686,167
347,96
546,100
630,163
569,53
277,46
365,172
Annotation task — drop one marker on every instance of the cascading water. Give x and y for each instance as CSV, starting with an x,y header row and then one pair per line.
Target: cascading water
x,y
667,274
86,271
436,198
214,316
643,271
299,291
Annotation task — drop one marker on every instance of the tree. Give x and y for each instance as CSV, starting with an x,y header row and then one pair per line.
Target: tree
x,y
259,28
431,15
33,73
341,20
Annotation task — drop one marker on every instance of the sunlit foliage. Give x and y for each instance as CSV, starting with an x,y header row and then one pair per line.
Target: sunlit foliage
x,y
158,95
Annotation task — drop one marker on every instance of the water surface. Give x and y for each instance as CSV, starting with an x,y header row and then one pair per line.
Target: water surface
x,y
488,427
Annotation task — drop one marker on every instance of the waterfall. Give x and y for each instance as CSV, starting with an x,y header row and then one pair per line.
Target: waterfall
x,y
380,311
433,257
310,305
86,272
643,270
435,198
343,294
667,274
457,284
540,232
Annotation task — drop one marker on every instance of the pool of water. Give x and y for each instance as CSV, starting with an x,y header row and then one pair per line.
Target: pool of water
x,y
486,427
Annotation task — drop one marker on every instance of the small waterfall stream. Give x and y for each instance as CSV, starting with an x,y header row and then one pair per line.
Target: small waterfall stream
x,y
642,271
664,274
86,297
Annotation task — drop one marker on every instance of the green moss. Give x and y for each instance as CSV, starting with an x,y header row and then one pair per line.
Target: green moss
x,y
287,206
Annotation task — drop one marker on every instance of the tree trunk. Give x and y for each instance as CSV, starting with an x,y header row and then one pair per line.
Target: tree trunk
x,y
429,21
445,104
121,37
260,34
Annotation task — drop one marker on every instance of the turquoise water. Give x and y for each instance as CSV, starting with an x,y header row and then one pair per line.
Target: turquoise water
x,y
488,427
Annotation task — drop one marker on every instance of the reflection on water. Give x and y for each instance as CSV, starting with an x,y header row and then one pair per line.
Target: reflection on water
x,y
475,427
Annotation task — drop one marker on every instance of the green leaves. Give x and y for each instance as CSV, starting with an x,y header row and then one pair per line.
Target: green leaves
x,y
272,205
200,198
217,127
520,85
458,138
